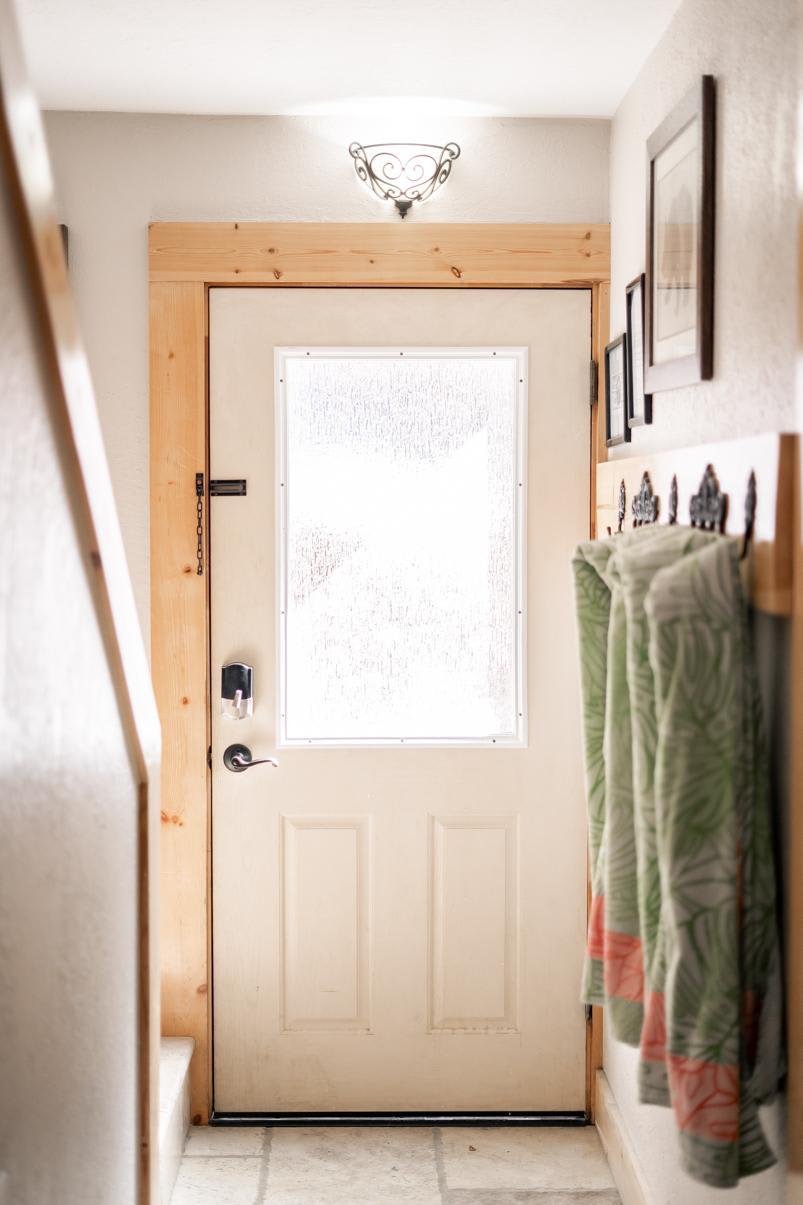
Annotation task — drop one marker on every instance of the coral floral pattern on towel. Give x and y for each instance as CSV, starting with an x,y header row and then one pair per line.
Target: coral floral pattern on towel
x,y
624,966
705,1097
596,927
653,1035
620,953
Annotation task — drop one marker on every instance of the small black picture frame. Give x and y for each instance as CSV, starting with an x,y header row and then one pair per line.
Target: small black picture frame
x,y
617,430
679,293
639,403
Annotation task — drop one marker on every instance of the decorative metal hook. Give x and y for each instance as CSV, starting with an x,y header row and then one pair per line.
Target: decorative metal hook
x,y
708,508
673,501
750,500
622,507
645,504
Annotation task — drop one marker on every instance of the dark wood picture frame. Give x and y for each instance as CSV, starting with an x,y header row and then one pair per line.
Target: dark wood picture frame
x,y
615,346
698,106
637,414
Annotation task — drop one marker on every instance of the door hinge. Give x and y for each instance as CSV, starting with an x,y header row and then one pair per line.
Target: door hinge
x,y
588,1014
209,757
593,383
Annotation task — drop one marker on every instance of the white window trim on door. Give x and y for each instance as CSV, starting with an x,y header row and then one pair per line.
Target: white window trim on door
x,y
519,354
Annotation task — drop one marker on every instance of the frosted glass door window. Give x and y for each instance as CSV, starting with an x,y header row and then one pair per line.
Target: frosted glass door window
x,y
401,502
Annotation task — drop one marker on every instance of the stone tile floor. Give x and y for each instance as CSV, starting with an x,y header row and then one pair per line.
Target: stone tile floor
x,y
399,1166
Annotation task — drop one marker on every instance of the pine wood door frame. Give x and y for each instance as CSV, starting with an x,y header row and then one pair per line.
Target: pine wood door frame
x,y
185,260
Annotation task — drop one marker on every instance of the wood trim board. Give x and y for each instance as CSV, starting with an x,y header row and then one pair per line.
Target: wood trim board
x,y
185,260
23,146
794,982
618,1146
383,254
600,334
794,902
179,614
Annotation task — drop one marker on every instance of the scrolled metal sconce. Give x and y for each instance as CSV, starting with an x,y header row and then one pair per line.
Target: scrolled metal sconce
x,y
404,172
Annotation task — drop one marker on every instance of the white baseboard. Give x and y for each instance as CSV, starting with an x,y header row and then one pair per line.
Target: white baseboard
x,y
174,1109
618,1147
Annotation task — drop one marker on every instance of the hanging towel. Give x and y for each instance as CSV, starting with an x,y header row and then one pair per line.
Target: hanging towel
x,y
593,607
615,960
714,1003
639,849
634,566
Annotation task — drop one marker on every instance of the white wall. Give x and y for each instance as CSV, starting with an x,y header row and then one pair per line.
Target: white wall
x,y
750,46
653,1137
68,816
117,172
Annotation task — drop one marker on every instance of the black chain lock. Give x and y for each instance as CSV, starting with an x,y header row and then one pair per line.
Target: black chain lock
x,y
199,530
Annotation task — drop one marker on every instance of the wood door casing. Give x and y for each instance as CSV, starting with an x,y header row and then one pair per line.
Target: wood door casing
x,y
185,260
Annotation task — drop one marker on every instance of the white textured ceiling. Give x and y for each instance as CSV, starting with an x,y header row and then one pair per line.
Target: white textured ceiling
x,y
491,57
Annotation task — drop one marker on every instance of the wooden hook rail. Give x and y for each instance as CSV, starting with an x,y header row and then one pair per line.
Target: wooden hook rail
x,y
745,487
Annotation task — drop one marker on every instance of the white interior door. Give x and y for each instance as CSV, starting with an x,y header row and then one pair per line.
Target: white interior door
x,y
399,908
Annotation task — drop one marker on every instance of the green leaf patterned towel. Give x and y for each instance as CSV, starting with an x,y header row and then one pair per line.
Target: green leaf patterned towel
x,y
682,935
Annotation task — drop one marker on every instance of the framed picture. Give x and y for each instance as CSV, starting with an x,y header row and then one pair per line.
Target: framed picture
x,y
639,403
617,430
679,293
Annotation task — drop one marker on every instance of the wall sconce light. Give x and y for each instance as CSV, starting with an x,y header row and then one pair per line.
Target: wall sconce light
x,y
404,172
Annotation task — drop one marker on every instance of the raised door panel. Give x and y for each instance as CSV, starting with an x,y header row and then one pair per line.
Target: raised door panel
x,y
474,912
326,971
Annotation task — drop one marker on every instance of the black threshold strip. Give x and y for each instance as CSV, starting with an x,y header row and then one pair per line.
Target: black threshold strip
x,y
398,1119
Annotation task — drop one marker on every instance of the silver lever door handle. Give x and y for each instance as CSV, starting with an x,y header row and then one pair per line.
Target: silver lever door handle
x,y
239,757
